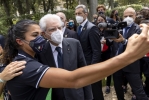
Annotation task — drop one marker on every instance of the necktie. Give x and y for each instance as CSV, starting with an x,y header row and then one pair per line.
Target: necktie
x,y
126,31
79,30
59,57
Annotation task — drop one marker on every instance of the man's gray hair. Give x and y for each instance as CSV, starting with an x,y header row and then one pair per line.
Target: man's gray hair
x,y
47,19
83,7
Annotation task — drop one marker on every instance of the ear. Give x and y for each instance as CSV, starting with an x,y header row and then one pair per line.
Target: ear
x,y
43,34
19,41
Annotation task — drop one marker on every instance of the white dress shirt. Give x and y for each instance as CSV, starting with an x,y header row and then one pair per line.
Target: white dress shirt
x,y
55,53
83,24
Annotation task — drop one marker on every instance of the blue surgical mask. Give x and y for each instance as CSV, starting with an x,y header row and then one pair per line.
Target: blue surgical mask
x,y
37,44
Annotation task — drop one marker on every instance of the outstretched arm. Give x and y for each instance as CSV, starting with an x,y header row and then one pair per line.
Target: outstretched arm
x,y
137,47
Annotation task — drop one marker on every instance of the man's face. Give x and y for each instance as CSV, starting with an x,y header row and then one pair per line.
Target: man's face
x,y
80,12
51,27
129,13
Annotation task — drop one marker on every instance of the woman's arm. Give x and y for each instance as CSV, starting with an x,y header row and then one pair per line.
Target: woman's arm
x,y
137,47
12,70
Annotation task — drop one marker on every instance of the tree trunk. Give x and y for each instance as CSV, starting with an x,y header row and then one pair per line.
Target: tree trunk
x,y
92,8
33,7
44,5
67,4
6,7
20,8
27,7
84,2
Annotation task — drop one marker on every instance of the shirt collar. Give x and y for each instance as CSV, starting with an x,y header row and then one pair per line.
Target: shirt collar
x,y
53,46
63,29
84,22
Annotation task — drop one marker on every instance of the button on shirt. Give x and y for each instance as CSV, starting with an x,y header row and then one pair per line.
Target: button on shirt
x,y
55,53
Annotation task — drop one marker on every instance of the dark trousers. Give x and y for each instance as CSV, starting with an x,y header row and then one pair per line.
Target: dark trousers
x,y
108,82
147,86
135,82
97,91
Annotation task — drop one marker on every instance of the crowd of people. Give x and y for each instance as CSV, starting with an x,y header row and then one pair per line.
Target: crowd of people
x,y
67,59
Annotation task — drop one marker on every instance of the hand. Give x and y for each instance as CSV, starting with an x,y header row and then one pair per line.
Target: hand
x,y
103,42
138,45
120,39
12,70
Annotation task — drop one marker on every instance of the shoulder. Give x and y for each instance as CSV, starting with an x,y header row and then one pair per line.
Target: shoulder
x,y
70,40
70,31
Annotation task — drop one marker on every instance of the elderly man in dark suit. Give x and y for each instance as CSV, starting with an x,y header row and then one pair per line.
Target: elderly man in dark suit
x,y
132,71
63,53
67,33
88,35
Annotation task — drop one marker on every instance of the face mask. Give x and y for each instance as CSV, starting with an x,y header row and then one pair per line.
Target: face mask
x,y
116,14
129,20
101,13
57,36
63,24
79,19
37,44
71,24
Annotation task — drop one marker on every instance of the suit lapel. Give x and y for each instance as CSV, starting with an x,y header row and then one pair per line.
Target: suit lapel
x,y
49,55
66,54
65,33
131,31
84,29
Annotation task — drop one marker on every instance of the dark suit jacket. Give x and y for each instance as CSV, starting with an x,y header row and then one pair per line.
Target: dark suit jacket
x,y
70,34
90,42
73,58
133,67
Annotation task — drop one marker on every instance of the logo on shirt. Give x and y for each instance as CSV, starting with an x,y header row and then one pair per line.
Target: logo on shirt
x,y
39,68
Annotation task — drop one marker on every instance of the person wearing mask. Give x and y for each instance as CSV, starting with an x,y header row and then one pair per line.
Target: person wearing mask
x,y
101,10
115,16
72,57
132,71
105,48
71,24
24,40
67,33
88,35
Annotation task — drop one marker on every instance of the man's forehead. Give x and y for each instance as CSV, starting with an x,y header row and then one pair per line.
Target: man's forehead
x,y
79,9
129,13
52,24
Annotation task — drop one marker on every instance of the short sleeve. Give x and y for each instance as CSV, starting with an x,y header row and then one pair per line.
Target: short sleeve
x,y
33,73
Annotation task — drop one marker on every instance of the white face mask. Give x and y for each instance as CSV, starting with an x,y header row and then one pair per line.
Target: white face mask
x,y
129,20
63,24
57,36
79,19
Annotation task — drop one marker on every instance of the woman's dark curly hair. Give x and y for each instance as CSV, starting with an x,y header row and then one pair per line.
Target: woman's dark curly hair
x,y
14,32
